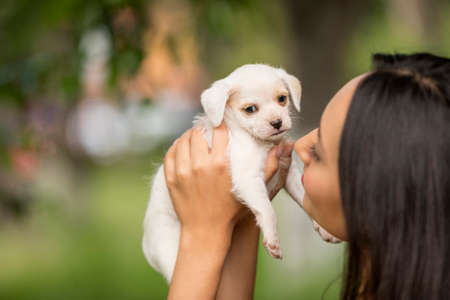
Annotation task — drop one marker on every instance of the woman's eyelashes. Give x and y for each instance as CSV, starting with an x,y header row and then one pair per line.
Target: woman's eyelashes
x,y
313,152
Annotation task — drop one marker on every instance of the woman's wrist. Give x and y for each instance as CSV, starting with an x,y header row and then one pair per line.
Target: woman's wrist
x,y
199,265
216,238
239,270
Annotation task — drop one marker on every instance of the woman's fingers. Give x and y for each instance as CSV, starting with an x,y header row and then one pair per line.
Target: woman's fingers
x,y
169,164
220,141
279,157
199,149
285,161
271,163
278,160
182,155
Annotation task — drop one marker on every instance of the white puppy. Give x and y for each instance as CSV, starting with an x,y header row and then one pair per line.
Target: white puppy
x,y
253,101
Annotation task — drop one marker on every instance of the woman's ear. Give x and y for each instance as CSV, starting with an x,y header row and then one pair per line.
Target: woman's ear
x,y
294,86
215,99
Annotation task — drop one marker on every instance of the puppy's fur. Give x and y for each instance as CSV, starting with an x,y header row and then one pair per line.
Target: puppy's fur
x,y
254,102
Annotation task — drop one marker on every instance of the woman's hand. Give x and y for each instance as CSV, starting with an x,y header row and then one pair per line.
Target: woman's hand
x,y
199,182
278,159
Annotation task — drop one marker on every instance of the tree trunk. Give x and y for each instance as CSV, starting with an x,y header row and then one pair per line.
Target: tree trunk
x,y
321,31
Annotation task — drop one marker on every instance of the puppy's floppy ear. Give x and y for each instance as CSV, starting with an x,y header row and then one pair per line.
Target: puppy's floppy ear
x,y
293,84
214,100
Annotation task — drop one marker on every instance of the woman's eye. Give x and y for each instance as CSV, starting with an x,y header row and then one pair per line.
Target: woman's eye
x,y
282,99
313,152
251,109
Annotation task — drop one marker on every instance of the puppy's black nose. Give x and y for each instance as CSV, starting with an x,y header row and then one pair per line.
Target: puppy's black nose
x,y
276,124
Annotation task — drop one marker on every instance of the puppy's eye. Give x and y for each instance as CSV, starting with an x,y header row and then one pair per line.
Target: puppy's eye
x,y
251,109
282,99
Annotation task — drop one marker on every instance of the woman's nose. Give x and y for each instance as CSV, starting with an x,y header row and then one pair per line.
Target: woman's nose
x,y
302,151
302,146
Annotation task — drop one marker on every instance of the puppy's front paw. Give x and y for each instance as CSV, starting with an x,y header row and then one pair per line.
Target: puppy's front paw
x,y
325,235
273,248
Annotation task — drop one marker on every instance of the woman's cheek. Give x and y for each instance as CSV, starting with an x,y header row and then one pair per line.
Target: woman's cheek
x,y
308,185
315,193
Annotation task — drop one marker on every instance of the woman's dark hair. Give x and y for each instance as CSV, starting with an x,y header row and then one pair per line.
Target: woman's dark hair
x,y
394,172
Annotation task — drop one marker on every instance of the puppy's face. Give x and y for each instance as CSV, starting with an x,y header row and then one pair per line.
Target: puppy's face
x,y
261,107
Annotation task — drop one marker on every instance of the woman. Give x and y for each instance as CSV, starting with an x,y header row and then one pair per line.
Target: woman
x,y
377,175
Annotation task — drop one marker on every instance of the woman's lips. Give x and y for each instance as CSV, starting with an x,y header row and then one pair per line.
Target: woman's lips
x,y
302,179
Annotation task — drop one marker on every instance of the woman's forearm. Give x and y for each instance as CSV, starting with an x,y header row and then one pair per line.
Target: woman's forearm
x,y
239,270
199,264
